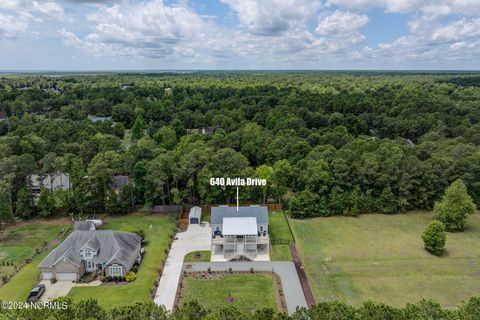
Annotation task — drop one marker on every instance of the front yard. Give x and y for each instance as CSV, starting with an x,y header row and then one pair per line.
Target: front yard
x,y
381,258
247,292
158,230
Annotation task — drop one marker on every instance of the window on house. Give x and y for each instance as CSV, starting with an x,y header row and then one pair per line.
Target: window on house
x,y
261,228
90,265
88,253
115,271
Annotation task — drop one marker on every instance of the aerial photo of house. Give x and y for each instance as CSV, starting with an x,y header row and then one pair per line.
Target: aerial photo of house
x,y
240,232
112,253
240,159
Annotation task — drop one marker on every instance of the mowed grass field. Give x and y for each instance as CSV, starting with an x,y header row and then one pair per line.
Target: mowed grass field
x,y
249,292
278,229
18,243
157,230
381,258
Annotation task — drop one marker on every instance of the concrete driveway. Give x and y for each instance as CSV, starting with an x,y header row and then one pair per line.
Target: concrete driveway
x,y
62,288
196,238
294,296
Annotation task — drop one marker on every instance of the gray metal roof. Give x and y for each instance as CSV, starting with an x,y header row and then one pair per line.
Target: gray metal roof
x,y
218,213
84,225
111,245
195,212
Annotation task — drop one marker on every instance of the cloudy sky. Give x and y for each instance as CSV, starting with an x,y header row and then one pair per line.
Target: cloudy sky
x,y
239,34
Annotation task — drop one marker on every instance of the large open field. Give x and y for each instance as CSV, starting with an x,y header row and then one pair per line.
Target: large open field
x,y
247,292
381,258
157,229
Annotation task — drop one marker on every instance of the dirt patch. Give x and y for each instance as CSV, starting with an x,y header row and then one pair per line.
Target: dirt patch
x,y
51,221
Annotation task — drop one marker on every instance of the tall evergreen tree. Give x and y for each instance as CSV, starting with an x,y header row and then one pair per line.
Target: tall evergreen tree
x,y
6,211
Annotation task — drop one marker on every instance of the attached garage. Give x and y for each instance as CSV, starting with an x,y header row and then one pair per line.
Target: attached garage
x,y
46,275
66,276
195,215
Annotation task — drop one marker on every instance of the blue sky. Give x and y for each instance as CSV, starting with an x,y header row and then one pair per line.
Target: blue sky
x,y
239,34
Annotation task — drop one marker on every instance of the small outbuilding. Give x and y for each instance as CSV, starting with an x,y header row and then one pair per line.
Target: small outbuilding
x,y
84,226
195,215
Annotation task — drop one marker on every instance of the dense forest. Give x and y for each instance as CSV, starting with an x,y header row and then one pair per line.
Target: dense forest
x,y
328,143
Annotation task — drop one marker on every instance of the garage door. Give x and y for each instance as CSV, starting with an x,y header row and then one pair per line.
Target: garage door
x,y
194,221
47,275
66,276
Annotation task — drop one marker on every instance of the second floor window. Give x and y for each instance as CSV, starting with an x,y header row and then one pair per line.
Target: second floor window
x,y
88,253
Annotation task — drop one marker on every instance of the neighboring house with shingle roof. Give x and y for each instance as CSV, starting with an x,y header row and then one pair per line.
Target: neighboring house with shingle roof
x,y
51,182
118,182
112,253
239,233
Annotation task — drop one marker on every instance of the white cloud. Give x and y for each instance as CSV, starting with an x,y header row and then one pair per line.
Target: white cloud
x,y
273,17
341,23
12,26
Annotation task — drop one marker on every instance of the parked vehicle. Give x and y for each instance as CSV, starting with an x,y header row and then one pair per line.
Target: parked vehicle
x,y
36,293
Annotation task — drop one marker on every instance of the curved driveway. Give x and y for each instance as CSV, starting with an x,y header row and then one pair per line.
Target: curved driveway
x,y
196,238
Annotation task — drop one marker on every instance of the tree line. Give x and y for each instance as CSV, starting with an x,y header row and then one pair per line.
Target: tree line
x,y
328,144
90,309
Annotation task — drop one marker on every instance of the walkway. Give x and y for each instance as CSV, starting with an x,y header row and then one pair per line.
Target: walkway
x,y
196,238
292,288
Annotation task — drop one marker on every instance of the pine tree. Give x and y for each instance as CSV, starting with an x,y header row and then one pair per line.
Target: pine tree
x,y
46,203
24,204
6,211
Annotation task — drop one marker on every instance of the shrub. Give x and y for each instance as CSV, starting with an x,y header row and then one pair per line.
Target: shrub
x,y
434,237
53,280
140,233
131,276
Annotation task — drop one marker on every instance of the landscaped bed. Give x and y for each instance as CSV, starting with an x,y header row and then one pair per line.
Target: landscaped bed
x,y
381,258
248,292
198,256
158,230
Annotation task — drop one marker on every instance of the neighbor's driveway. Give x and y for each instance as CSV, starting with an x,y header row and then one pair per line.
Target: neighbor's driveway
x,y
62,288
292,288
196,238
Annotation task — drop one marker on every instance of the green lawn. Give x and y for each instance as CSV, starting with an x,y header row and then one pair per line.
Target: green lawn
x,y
157,229
381,257
198,256
19,242
18,288
278,229
249,292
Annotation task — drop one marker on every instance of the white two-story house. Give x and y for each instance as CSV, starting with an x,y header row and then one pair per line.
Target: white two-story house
x,y
240,233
